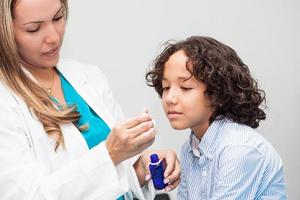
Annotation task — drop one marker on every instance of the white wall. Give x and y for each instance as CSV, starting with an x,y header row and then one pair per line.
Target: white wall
x,y
123,38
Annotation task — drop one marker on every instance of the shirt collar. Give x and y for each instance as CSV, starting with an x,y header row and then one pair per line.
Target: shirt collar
x,y
207,145
195,145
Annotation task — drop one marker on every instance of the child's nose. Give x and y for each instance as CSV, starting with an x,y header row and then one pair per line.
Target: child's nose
x,y
171,98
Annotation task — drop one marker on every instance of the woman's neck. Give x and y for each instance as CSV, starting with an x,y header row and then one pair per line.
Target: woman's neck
x,y
43,75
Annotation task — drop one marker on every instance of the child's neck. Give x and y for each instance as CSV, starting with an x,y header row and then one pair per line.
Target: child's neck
x,y
199,131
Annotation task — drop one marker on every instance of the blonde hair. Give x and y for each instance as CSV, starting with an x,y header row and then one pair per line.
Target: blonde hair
x,y
14,77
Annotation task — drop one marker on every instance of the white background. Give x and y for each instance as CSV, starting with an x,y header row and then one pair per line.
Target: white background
x,y
123,37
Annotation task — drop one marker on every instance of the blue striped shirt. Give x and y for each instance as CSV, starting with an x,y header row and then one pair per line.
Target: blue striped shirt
x,y
232,161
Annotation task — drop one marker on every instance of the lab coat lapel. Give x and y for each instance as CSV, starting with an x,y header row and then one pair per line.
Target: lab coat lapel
x,y
79,80
66,128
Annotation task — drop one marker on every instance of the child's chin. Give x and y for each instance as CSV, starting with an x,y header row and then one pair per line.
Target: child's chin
x,y
178,127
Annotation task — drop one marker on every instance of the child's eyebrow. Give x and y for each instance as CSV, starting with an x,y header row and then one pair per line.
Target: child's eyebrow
x,y
184,78
181,78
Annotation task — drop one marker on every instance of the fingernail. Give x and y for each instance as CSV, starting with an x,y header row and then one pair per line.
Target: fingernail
x,y
147,177
153,122
167,189
145,110
166,181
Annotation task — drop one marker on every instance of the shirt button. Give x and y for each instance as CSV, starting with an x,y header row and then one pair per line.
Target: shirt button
x,y
204,173
210,157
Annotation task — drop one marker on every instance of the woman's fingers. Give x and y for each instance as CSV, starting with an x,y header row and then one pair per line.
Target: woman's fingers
x,y
145,110
133,122
145,139
130,137
141,128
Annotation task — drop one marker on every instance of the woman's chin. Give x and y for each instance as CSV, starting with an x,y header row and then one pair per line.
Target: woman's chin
x,y
50,62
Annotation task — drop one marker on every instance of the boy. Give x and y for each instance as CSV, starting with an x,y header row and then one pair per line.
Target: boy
x,y
206,87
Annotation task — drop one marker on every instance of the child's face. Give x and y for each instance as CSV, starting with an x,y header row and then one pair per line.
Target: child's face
x,y
183,98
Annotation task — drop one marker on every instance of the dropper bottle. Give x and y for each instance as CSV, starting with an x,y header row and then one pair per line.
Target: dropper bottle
x,y
157,172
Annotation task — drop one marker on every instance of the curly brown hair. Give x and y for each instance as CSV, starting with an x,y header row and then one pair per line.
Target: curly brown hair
x,y
231,89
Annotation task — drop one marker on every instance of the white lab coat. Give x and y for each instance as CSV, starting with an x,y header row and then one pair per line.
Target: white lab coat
x,y
31,169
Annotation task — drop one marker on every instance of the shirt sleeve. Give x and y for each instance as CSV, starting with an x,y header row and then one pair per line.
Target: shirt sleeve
x,y
276,189
239,173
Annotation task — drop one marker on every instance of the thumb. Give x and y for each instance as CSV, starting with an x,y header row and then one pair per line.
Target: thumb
x,y
147,174
169,165
147,171
145,110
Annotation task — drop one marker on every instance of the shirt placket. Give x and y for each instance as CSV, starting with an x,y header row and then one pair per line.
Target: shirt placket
x,y
204,177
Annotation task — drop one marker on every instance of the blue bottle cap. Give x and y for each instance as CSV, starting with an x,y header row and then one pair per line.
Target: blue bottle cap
x,y
154,158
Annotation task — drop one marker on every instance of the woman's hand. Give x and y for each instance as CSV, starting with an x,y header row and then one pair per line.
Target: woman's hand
x,y
172,167
130,138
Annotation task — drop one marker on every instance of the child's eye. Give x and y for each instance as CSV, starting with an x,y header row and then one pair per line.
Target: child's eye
x,y
185,88
165,88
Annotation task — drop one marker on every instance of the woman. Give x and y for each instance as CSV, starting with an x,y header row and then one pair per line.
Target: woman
x,y
58,135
